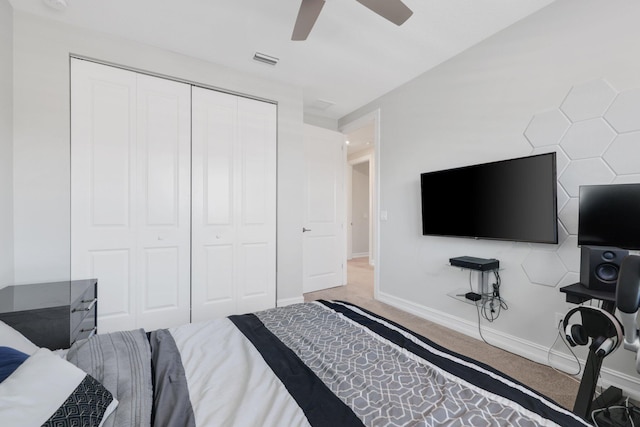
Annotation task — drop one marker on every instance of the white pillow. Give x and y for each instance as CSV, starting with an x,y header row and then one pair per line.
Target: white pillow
x,y
9,337
46,390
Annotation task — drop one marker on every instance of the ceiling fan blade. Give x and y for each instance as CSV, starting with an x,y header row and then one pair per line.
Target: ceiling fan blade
x,y
307,15
393,10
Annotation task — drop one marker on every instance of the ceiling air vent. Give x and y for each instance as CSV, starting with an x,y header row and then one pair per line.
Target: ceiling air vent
x,y
322,104
266,59
56,4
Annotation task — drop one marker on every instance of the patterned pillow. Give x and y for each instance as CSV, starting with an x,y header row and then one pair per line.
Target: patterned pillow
x,y
49,391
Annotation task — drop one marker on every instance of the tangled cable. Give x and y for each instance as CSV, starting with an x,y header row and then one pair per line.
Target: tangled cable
x,y
493,304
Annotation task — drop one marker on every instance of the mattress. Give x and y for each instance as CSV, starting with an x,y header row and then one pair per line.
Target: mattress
x,y
323,363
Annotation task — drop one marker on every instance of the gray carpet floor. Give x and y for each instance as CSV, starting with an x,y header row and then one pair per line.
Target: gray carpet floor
x,y
359,290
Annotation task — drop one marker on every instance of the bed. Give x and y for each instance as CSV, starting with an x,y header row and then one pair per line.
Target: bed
x,y
323,363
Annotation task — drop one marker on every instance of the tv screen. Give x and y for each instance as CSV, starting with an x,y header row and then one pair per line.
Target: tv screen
x,y
507,200
609,215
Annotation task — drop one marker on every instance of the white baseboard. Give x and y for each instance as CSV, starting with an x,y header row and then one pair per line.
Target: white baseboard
x,y
527,349
289,301
360,255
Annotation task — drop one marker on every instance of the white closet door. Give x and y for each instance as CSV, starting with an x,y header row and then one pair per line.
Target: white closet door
x,y
129,194
233,204
163,202
103,162
256,218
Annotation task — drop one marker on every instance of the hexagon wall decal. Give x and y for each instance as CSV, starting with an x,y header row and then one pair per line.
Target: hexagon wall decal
x,y
623,112
627,179
544,268
588,100
569,253
562,197
596,135
569,279
589,138
622,154
563,234
546,128
569,216
585,172
562,160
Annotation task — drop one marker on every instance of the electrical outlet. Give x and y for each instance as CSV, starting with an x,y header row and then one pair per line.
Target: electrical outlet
x,y
559,318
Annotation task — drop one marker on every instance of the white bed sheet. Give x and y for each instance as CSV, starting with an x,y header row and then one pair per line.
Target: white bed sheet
x,y
233,384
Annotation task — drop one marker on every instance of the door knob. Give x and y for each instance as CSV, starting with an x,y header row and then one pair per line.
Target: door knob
x,y
305,229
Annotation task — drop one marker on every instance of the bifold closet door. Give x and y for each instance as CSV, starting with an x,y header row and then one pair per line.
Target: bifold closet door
x,y
130,194
233,204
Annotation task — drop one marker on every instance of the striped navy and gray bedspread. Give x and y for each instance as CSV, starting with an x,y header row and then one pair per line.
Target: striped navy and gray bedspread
x,y
314,364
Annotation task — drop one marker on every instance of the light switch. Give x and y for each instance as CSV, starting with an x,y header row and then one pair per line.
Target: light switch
x,y
383,215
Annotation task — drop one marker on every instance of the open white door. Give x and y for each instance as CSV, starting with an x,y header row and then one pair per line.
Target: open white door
x,y
324,254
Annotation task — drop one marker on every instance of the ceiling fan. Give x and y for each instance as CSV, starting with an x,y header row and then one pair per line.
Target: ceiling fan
x,y
393,10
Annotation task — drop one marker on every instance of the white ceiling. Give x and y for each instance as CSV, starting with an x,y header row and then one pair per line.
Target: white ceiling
x,y
351,57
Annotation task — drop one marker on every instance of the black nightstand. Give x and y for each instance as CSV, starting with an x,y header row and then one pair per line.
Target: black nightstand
x,y
52,315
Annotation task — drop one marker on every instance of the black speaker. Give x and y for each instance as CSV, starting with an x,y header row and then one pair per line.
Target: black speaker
x,y
600,266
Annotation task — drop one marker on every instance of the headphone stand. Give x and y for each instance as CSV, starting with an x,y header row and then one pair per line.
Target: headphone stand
x,y
585,404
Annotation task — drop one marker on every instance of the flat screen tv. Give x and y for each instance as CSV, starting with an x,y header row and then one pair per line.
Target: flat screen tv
x,y
512,199
609,215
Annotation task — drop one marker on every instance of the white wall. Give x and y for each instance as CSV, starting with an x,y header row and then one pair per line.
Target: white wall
x,y
6,143
360,208
476,108
320,121
41,133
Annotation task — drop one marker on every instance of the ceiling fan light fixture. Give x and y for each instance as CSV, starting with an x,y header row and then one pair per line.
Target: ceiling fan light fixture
x,y
265,59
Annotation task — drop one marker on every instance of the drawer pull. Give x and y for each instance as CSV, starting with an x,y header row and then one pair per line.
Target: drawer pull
x,y
93,331
87,308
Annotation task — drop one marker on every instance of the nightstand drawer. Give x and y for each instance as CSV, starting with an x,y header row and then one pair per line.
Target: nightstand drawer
x,y
82,307
87,326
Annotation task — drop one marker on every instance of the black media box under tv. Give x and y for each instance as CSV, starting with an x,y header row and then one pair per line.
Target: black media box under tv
x,y
473,263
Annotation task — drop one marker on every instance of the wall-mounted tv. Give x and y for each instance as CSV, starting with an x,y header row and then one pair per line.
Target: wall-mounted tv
x,y
609,215
512,199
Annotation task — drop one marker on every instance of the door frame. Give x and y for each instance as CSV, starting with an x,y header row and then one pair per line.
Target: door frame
x,y
365,158
374,177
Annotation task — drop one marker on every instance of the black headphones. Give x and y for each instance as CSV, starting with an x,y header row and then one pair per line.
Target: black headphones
x,y
603,327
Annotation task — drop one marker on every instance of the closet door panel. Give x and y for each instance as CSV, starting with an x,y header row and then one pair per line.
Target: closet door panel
x,y
233,199
110,153
161,273
217,158
130,194
254,272
214,137
256,208
113,267
219,274
103,158
164,197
